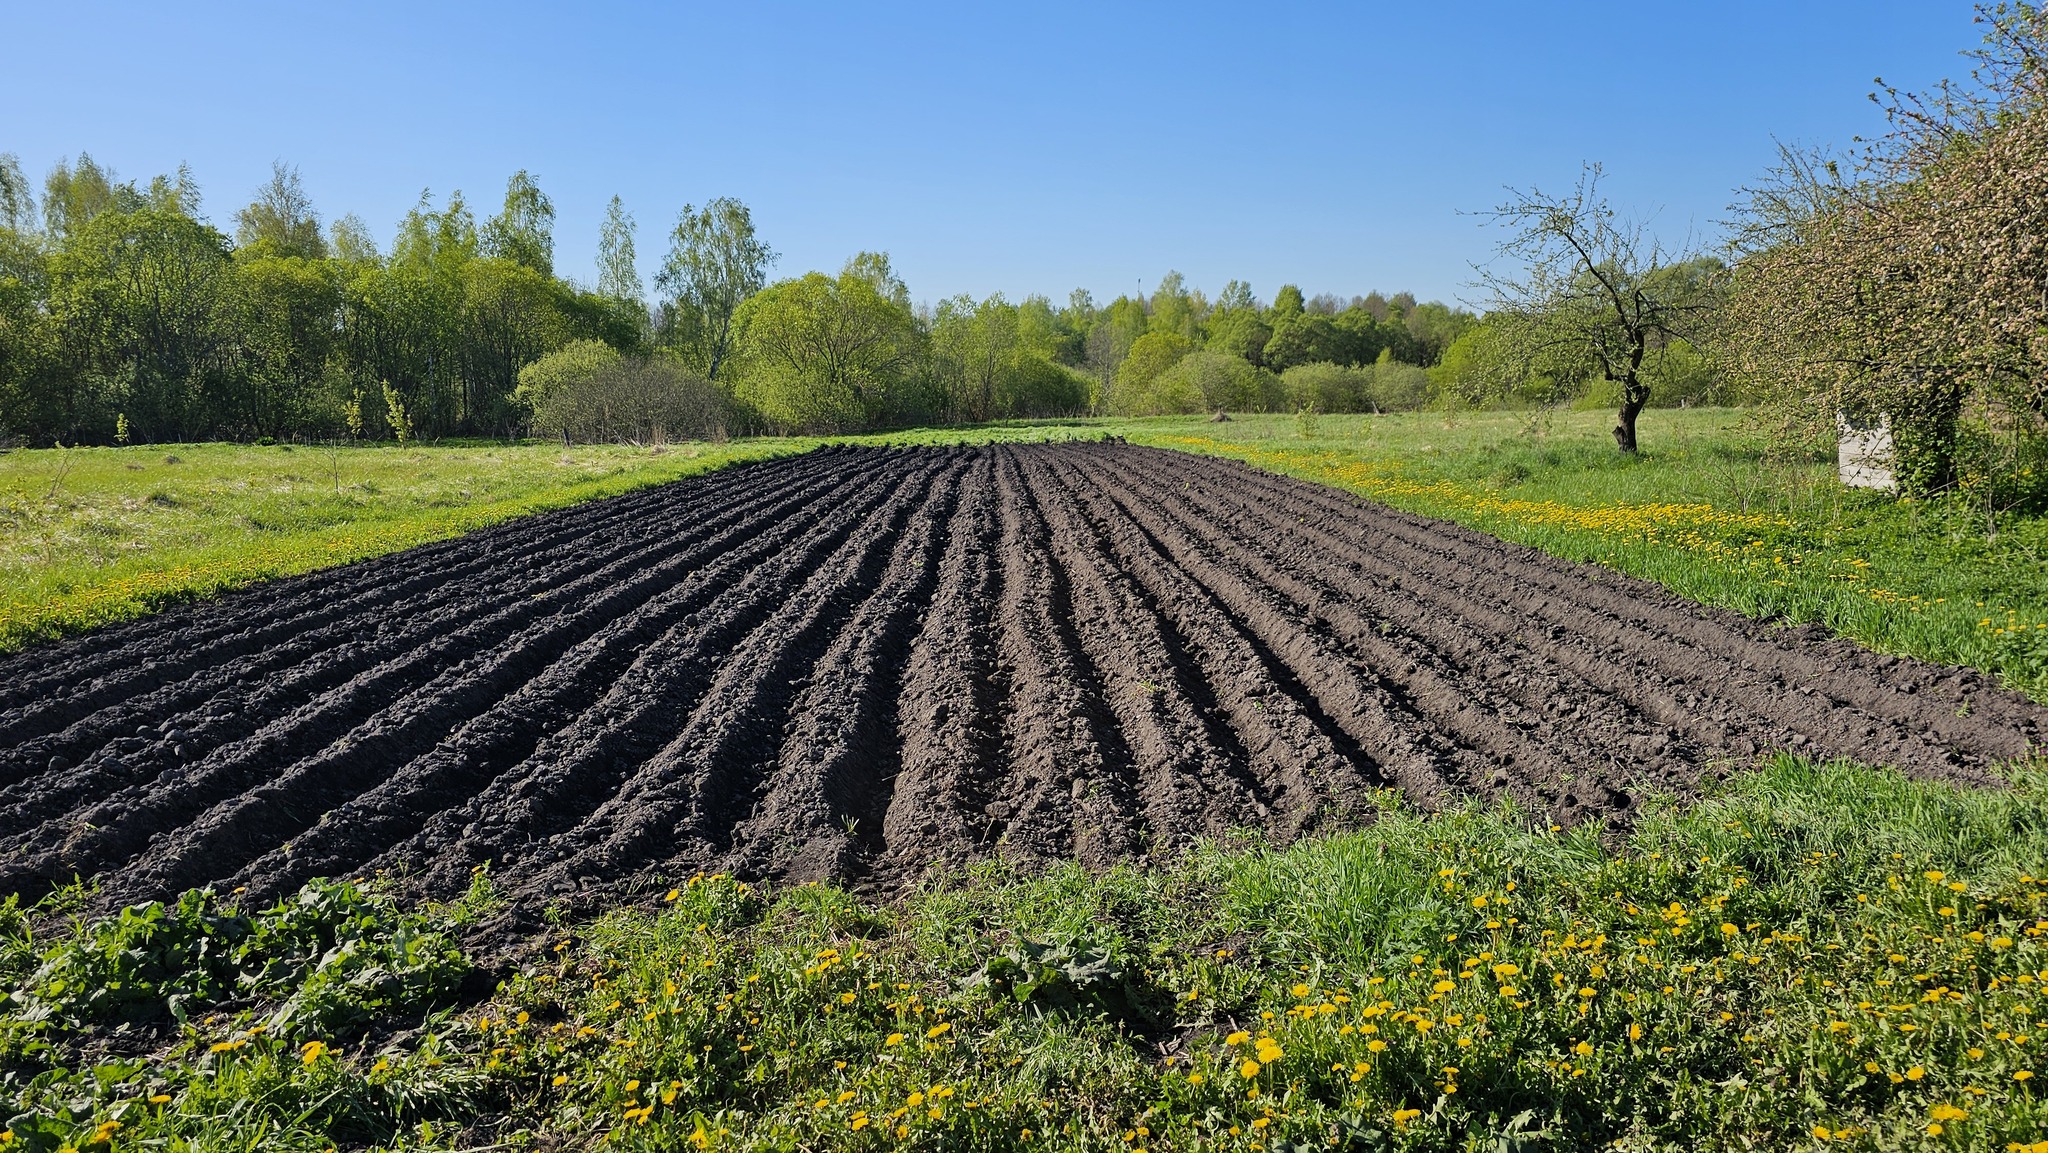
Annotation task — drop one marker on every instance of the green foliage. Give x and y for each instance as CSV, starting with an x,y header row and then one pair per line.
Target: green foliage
x,y
1328,387
1680,376
618,276
17,199
1240,332
1308,422
576,363
1397,387
1149,358
1303,338
1505,362
128,303
280,222
524,232
329,957
395,415
253,1005
1074,972
830,354
715,263
1215,381
1174,309
140,302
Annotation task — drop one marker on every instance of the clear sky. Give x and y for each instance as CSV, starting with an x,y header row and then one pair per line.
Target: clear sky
x,y
1016,147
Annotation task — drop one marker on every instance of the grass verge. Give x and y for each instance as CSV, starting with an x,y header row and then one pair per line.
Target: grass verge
x,y
1821,956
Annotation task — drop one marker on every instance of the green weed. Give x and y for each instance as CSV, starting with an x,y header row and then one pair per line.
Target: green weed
x,y
1822,956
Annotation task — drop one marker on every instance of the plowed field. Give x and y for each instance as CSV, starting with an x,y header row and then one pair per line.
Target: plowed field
x,y
855,662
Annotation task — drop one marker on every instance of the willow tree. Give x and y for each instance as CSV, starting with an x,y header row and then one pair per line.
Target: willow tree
x,y
1595,287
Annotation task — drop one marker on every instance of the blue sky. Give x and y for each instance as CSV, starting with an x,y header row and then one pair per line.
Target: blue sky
x,y
1012,148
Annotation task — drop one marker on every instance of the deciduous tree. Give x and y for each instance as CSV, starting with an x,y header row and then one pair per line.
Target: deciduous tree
x,y
1596,285
715,262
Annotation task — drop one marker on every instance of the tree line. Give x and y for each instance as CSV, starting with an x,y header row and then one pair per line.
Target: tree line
x,y
1905,284
127,315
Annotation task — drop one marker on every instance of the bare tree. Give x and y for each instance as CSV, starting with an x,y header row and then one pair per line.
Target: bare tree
x,y
1595,286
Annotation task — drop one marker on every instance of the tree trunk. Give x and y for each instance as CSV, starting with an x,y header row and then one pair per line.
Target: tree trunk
x,y
1633,398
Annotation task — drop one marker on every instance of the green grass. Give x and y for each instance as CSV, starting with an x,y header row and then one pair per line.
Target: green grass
x,y
1818,949
89,536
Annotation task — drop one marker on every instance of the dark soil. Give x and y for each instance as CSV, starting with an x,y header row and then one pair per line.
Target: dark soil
x,y
858,662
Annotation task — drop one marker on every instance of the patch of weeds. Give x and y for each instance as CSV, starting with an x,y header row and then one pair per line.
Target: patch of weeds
x,y
1815,948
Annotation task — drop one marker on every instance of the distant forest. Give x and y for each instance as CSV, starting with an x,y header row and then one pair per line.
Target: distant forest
x,y
126,315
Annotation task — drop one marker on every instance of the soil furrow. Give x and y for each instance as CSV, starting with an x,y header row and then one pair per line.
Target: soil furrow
x,y
1053,752
573,771
839,760
945,802
159,647
1269,718
682,803
1958,710
369,823
1409,731
405,654
556,670
1181,762
340,633
1528,693
861,663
